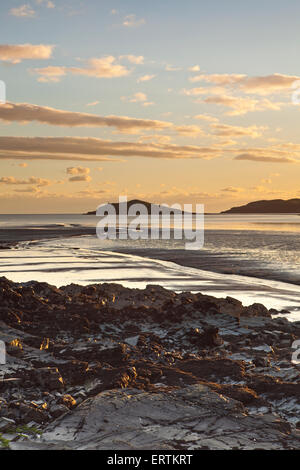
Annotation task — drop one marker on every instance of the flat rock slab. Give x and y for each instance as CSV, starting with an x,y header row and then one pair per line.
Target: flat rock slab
x,y
189,418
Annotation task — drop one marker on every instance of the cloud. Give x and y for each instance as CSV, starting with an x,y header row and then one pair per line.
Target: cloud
x,y
191,131
172,68
148,103
206,117
195,68
138,97
276,83
31,189
95,149
131,21
23,11
47,3
203,91
225,130
80,178
15,53
93,103
265,158
241,105
232,189
133,59
11,180
25,113
262,85
219,79
78,170
162,139
105,67
145,78
50,73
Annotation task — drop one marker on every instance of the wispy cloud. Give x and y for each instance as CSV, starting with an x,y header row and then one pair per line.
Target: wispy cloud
x,y
93,103
15,53
77,170
133,59
94,149
131,21
232,189
172,68
138,97
145,78
25,113
242,105
194,68
23,11
105,67
11,180
225,130
254,157
262,85
46,3
50,73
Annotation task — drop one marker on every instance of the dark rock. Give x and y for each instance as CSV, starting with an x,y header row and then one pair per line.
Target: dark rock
x,y
70,345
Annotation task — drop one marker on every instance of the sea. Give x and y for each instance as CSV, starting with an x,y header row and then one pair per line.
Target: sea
x,y
252,257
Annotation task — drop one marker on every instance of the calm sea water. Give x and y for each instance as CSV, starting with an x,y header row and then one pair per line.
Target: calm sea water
x,y
265,222
250,257
260,245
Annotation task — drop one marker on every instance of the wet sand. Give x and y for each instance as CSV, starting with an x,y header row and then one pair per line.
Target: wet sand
x,y
82,261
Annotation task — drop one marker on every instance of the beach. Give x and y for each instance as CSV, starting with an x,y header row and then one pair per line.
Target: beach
x,y
243,262
155,335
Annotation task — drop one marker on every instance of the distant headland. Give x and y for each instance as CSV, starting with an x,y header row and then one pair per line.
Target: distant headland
x,y
272,206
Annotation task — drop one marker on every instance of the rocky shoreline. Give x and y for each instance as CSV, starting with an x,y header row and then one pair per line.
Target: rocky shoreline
x,y
106,367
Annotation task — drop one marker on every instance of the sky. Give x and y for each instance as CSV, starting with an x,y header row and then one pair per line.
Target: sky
x,y
167,101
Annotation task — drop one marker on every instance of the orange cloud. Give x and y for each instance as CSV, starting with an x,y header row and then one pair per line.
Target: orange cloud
x,y
263,85
94,149
25,113
265,158
224,130
11,180
105,67
15,53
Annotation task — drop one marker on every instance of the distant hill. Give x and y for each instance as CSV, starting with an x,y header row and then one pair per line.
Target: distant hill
x,y
137,201
274,206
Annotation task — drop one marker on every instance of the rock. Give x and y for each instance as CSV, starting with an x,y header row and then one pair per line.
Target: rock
x,y
261,362
257,310
69,401
48,378
125,361
209,338
193,418
6,424
58,410
32,413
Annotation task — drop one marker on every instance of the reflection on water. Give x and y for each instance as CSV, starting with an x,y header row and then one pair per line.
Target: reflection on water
x,y
265,246
81,261
278,222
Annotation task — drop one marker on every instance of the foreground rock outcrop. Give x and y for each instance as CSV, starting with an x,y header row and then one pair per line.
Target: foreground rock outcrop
x,y
105,367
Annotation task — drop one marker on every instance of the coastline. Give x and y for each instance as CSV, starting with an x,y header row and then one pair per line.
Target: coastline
x,y
50,255
77,350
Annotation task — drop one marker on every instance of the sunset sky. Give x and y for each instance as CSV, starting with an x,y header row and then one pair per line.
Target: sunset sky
x,y
168,101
